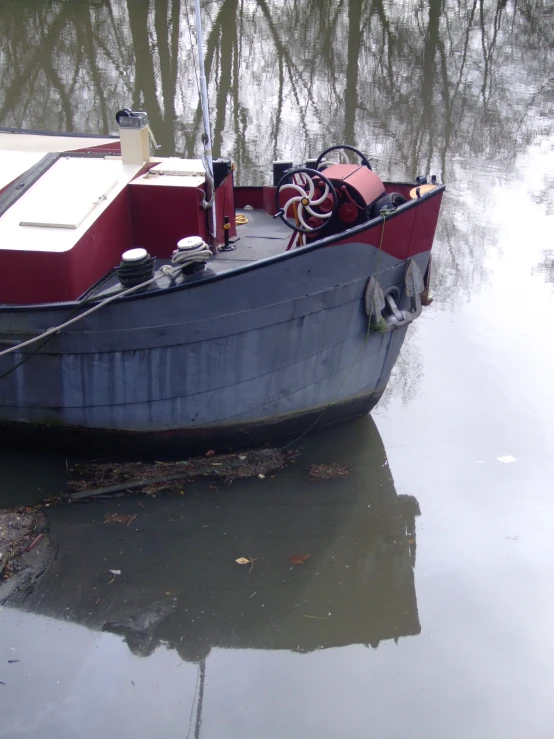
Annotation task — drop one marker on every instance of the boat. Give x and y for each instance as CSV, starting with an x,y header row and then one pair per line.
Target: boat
x,y
148,302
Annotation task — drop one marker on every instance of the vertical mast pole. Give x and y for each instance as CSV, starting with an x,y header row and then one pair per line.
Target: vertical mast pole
x,y
207,139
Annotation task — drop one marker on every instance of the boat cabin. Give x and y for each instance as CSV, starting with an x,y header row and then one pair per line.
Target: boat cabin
x,y
70,207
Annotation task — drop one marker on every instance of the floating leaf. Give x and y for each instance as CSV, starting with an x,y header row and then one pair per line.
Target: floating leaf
x,y
299,559
247,561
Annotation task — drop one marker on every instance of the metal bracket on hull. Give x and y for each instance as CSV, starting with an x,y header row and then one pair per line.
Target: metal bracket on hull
x,y
376,301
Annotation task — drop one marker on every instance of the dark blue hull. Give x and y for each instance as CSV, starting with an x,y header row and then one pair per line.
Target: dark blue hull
x,y
271,350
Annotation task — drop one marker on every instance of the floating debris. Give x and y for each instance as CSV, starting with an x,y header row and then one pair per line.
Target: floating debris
x,y
113,478
507,459
35,541
298,559
22,560
151,478
247,561
318,472
121,518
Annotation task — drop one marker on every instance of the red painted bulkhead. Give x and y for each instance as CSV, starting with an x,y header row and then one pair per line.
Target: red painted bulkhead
x,y
48,277
155,218
405,234
163,215
113,147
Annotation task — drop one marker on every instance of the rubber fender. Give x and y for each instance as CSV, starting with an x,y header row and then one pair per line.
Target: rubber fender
x,y
390,201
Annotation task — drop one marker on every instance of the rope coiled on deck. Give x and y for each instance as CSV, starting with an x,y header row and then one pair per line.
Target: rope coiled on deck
x,y
185,255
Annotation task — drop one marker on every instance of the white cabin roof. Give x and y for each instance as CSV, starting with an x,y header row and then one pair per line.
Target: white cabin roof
x,y
62,205
20,151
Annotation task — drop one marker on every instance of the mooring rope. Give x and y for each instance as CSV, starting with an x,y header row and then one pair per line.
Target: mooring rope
x,y
181,258
197,252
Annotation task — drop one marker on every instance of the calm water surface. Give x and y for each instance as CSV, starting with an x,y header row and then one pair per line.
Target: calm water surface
x,y
426,608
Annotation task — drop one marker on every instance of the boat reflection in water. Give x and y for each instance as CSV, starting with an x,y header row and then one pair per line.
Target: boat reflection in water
x,y
181,587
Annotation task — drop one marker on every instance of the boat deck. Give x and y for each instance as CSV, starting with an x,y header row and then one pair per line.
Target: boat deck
x,y
262,237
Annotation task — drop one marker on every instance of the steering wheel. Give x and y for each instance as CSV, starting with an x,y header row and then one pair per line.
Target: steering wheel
x,y
363,158
312,191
